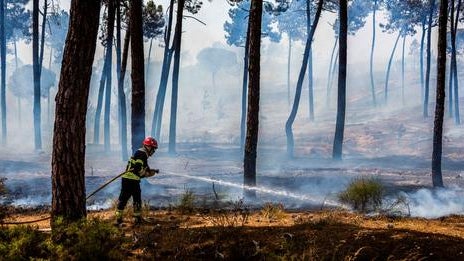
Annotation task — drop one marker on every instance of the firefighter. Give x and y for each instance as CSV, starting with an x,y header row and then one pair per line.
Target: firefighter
x,y
137,168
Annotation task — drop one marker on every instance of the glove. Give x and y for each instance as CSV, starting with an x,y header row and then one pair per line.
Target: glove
x,y
152,172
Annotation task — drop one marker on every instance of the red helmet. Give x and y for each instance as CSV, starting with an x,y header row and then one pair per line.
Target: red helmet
x,y
151,142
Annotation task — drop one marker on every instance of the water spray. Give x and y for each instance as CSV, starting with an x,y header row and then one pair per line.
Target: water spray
x,y
283,193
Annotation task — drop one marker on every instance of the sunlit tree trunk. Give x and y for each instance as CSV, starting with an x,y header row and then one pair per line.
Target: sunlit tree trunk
x,y
137,75
36,68
68,186
341,101
251,143
299,85
429,54
437,179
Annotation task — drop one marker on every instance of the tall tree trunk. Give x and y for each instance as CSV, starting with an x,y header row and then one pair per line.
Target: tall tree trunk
x,y
148,60
310,66
387,77
68,186
289,59
166,67
429,54
36,68
341,101
251,143
402,69
175,76
422,58
3,72
371,64
299,85
244,88
109,56
450,78
42,40
101,89
457,118
329,73
437,179
137,74
121,69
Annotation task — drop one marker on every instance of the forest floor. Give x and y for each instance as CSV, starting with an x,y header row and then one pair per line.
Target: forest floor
x,y
272,234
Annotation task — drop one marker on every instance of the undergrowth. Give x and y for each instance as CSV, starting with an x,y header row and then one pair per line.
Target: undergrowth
x,y
363,194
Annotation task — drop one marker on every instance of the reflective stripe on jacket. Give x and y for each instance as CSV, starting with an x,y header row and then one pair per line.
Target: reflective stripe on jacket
x,y
137,165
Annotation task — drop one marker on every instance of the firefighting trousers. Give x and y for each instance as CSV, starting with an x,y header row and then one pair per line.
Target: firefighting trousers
x,y
130,188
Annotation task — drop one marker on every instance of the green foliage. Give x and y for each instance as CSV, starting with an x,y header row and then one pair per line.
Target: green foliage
x,y
87,240
23,243
187,201
363,194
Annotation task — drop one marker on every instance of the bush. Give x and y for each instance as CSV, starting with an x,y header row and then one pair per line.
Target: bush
x,y
363,194
23,243
187,202
272,211
87,240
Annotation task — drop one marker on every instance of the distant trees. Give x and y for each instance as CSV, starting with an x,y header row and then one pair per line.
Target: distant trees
x,y
3,70
153,24
68,186
453,75
437,179
215,59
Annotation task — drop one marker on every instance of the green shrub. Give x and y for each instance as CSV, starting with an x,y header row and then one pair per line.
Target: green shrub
x,y
91,239
363,194
23,243
273,211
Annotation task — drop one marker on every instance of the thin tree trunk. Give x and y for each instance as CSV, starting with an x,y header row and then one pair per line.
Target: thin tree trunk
x,y
244,88
137,74
121,72
36,68
437,179
109,56
341,101
3,71
101,89
402,70
457,118
251,143
387,77
371,64
175,77
68,186
310,67
291,117
329,73
160,97
422,59
148,60
429,54
42,41
289,59
450,78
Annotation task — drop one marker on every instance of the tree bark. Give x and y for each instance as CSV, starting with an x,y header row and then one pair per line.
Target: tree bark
x,y
341,101
437,179
121,69
68,186
137,75
299,85
251,142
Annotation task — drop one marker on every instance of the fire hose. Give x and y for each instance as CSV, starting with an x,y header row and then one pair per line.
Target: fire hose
x,y
152,172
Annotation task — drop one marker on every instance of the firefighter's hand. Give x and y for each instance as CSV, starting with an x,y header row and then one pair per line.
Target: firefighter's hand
x,y
152,172
156,171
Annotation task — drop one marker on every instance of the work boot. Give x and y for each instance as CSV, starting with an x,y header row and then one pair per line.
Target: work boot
x,y
118,222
